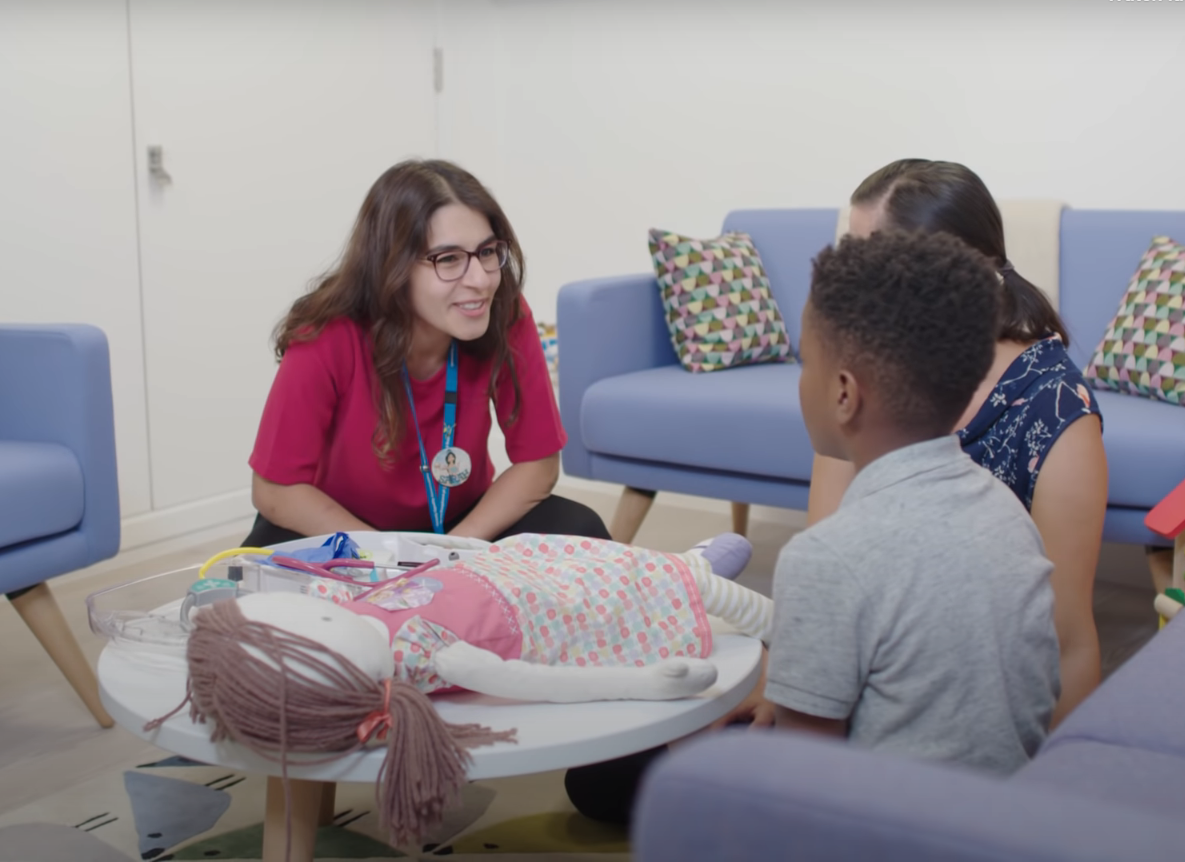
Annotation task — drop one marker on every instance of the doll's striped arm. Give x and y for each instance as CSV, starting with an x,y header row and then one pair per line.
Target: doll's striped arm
x,y
746,610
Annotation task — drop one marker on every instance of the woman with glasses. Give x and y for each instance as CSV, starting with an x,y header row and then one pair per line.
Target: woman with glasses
x,y
387,371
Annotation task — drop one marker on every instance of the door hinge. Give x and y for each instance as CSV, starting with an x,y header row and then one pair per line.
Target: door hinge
x,y
438,69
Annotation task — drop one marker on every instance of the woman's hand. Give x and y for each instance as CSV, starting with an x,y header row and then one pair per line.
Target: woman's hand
x,y
302,508
517,491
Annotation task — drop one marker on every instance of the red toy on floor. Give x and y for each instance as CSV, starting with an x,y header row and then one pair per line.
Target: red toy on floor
x,y
1168,519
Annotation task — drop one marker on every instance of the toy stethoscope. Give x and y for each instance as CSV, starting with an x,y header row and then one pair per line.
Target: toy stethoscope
x,y
324,570
320,570
209,590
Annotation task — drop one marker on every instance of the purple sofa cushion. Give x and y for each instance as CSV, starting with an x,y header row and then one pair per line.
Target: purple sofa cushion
x,y
743,795
1142,705
1145,455
742,420
1149,781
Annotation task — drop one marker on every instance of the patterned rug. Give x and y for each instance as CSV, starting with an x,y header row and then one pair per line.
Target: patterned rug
x,y
178,809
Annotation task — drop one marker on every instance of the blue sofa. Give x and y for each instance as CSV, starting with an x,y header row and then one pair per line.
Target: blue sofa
x,y
635,417
59,490
1106,786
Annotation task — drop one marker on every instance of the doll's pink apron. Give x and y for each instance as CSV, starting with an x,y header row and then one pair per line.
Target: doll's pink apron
x,y
557,600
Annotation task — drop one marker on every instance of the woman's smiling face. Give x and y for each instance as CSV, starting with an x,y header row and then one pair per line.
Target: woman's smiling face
x,y
454,309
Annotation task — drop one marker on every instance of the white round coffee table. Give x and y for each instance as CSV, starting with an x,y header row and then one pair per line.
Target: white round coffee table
x,y
136,687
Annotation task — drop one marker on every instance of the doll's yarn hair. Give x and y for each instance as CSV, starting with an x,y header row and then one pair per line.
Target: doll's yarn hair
x,y
296,695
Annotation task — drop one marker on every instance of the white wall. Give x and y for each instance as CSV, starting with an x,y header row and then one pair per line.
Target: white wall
x,y
595,120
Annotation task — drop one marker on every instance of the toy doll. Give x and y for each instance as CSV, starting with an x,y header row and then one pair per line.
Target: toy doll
x,y
525,608
550,618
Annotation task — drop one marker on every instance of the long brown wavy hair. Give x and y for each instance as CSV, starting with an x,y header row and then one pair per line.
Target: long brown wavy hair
x,y
370,283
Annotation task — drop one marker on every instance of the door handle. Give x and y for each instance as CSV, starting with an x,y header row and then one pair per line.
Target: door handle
x,y
156,164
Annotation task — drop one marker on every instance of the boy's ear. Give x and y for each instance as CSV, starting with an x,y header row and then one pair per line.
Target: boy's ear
x,y
848,398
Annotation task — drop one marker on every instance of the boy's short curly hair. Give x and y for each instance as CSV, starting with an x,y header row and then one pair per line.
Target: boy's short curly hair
x,y
914,315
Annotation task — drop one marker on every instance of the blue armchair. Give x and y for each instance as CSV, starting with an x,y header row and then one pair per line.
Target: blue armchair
x,y
59,492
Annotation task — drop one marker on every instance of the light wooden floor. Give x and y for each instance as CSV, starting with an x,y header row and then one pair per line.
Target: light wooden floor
x,y
49,741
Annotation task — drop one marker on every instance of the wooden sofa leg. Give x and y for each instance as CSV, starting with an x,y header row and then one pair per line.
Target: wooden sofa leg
x,y
740,518
630,513
41,614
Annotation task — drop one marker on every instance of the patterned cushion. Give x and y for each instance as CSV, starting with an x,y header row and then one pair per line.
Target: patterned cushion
x,y
717,299
551,348
1143,351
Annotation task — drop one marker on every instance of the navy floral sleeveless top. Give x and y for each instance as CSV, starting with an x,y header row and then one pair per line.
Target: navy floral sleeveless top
x,y
1039,396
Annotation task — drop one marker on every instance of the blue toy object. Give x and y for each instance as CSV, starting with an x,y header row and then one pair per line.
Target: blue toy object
x,y
339,546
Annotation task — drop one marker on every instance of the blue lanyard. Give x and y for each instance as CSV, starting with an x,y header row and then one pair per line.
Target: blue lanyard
x,y
437,495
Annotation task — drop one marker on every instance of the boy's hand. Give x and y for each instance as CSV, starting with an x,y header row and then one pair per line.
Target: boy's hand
x,y
754,710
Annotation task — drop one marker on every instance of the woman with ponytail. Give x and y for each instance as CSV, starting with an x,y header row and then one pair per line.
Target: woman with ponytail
x,y
1033,423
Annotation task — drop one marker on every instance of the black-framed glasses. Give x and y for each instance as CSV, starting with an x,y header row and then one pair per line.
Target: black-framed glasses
x,y
452,263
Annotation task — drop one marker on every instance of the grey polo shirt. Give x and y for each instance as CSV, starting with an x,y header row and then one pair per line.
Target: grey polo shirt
x,y
921,610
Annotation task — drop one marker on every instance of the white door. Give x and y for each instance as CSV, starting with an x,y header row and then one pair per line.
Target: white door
x,y
67,197
273,121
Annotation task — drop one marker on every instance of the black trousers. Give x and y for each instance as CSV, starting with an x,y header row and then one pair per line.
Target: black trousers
x,y
555,515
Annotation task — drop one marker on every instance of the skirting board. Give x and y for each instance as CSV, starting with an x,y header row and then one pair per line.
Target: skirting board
x,y
201,515
150,535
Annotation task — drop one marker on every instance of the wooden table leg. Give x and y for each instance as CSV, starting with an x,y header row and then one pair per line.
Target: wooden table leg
x,y
328,798
305,801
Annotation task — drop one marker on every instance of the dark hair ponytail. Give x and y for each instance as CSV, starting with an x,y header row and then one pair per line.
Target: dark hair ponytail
x,y
919,194
1026,313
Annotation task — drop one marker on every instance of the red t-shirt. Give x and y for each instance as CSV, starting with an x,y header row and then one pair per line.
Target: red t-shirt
x,y
319,421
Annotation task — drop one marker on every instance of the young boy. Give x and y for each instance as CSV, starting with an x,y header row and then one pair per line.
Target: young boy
x,y
918,618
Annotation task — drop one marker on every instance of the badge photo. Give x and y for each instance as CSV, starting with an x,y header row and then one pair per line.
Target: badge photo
x,y
451,466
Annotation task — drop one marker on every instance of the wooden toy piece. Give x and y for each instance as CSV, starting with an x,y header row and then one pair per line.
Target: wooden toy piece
x,y
1178,581
1168,519
1168,606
